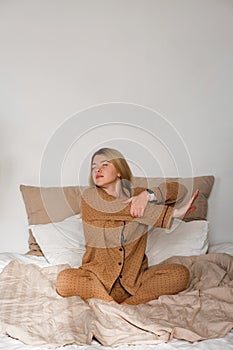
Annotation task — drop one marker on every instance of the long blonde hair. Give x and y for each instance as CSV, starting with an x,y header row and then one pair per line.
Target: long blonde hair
x,y
120,163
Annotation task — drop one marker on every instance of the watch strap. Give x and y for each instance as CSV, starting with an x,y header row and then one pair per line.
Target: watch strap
x,y
152,197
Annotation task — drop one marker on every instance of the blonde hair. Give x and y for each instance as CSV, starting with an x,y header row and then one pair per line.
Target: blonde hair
x,y
120,163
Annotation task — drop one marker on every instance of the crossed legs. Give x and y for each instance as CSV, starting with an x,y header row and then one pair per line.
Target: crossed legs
x,y
157,280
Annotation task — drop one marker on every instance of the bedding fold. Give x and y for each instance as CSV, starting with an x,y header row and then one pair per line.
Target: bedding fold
x,y
33,312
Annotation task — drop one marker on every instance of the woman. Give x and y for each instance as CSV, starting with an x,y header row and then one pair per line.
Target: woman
x,y
115,219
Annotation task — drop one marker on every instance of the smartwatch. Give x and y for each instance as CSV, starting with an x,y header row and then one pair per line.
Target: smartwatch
x,y
152,197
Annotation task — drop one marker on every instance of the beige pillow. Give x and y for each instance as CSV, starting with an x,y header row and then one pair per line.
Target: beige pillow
x,y
53,204
49,204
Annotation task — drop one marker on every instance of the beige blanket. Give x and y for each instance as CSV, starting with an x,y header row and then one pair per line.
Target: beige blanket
x,y
32,311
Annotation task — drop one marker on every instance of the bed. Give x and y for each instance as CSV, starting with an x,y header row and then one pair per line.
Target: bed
x,y
34,316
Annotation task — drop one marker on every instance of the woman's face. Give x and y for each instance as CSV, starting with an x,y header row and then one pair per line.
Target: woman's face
x,y
104,173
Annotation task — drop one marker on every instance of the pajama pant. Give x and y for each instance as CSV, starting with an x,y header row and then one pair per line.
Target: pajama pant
x,y
156,280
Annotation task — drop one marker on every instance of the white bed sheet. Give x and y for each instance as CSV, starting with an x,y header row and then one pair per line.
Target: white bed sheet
x,y
8,343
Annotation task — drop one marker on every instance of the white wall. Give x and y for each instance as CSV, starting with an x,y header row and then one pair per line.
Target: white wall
x,y
169,63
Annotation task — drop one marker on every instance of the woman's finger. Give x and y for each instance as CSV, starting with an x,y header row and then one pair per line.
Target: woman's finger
x,y
132,211
190,210
194,197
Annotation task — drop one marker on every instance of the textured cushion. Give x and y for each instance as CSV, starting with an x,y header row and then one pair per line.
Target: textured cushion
x,y
53,204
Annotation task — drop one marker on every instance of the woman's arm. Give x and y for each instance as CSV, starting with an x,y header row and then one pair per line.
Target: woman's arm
x,y
162,215
170,192
167,193
99,207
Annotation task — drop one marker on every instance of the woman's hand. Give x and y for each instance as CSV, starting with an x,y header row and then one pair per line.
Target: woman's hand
x,y
186,209
138,204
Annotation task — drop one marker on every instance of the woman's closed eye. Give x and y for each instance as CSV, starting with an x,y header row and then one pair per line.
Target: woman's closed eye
x,y
94,166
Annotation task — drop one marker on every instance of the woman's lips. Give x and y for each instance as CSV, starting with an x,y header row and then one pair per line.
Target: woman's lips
x,y
98,176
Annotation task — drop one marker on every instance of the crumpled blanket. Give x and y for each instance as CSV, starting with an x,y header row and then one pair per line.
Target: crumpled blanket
x,y
32,311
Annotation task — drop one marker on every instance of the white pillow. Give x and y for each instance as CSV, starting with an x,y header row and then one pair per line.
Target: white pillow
x,y
61,242
183,238
221,248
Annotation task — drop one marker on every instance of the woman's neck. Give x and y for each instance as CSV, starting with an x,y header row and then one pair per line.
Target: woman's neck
x,y
114,189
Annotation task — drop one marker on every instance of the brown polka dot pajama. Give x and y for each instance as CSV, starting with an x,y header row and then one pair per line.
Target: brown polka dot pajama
x,y
114,265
